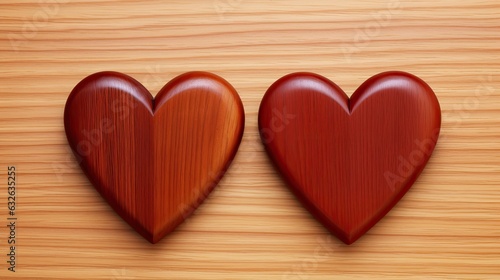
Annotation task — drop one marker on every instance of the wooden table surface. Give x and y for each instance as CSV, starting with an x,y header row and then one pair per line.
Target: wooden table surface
x,y
251,227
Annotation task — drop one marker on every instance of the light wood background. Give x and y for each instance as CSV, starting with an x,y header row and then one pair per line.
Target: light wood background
x,y
251,227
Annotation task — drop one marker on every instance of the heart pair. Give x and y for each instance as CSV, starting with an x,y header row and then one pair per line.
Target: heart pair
x,y
348,160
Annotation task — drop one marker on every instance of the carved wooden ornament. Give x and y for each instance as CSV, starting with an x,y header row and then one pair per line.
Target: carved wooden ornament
x,y
154,160
350,160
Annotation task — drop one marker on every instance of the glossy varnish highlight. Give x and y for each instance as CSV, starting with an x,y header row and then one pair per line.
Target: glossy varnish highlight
x,y
154,160
350,160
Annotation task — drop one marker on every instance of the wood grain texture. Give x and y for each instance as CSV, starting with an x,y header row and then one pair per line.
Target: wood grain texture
x,y
154,159
350,160
251,226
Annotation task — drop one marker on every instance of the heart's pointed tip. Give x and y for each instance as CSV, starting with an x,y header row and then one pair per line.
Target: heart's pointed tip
x,y
153,239
349,241
347,238
150,235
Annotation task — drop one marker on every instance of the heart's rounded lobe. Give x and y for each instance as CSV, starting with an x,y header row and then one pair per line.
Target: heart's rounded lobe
x,y
349,161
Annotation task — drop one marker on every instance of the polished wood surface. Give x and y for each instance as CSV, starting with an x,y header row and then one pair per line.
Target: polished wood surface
x,y
154,159
251,226
350,160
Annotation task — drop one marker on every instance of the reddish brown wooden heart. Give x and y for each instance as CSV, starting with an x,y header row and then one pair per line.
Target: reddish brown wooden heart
x,y
154,160
350,160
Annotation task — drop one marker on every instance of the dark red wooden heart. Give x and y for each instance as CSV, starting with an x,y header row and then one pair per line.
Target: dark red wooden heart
x,y
350,160
154,160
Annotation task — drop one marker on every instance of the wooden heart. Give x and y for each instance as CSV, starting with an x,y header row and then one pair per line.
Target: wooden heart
x,y
154,160
350,161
